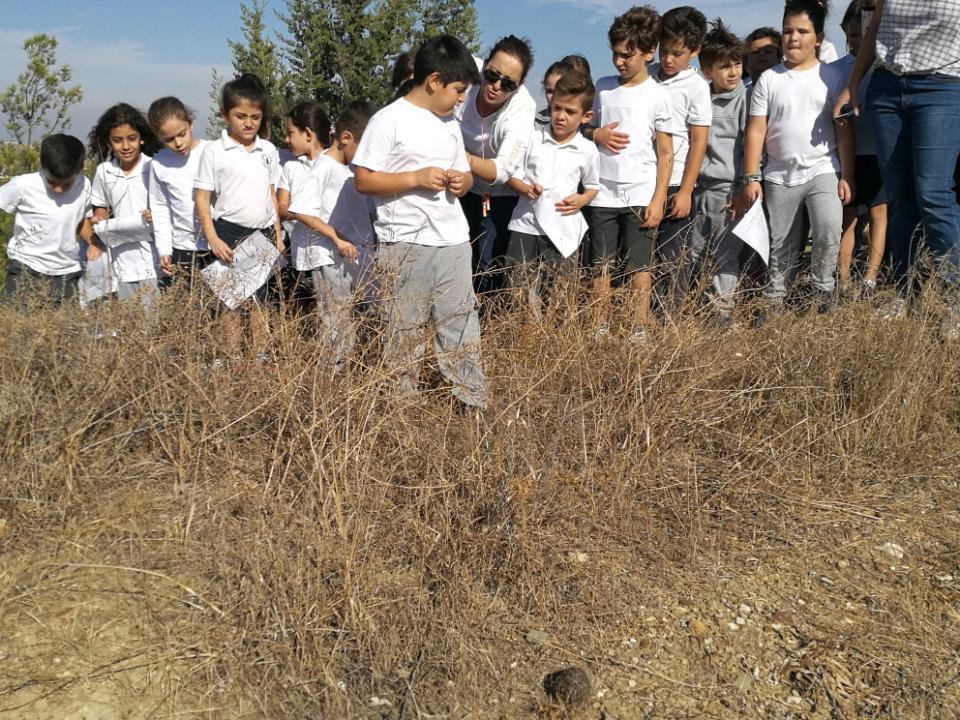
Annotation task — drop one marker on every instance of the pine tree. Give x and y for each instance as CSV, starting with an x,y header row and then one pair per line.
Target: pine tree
x,y
453,17
41,97
258,54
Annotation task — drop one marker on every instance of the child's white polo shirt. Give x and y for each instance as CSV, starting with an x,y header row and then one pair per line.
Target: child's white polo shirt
x,y
690,104
405,138
45,227
242,181
629,178
175,223
328,192
559,169
801,141
126,234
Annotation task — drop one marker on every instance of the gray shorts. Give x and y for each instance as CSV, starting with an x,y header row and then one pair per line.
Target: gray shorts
x,y
618,239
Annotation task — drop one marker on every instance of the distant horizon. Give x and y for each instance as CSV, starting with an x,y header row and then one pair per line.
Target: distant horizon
x,y
112,67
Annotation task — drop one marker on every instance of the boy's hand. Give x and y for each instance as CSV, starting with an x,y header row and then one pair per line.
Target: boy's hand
x,y
166,264
571,204
456,182
745,199
845,191
432,178
347,250
221,250
147,216
610,138
653,214
534,191
93,252
680,204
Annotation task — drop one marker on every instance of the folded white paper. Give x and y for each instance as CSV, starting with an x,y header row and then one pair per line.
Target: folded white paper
x,y
253,260
753,230
564,231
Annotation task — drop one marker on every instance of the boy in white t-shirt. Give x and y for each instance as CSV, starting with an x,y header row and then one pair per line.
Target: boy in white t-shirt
x,y
808,158
547,224
681,35
50,208
413,161
631,127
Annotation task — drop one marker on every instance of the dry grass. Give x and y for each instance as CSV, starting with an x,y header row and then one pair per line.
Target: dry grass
x,y
283,542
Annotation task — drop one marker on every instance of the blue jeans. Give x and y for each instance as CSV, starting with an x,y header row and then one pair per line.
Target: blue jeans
x,y
914,119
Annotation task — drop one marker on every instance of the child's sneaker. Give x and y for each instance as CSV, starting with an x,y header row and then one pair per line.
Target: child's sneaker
x,y
868,289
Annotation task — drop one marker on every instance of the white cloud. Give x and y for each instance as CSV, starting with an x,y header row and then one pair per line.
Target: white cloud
x,y
113,72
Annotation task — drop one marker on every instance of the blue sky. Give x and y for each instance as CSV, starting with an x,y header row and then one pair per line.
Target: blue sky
x,y
171,47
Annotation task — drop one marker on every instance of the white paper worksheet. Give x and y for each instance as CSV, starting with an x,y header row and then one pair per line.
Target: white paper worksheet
x,y
753,230
253,260
564,231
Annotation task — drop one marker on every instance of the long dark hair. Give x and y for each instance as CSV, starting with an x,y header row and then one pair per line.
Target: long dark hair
x,y
114,117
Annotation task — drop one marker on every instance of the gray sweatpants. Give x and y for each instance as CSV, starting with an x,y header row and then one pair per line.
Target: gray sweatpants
x,y
146,290
333,288
785,208
423,283
711,237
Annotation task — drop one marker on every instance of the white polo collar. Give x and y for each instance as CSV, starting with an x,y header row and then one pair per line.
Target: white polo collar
x,y
679,77
230,144
574,142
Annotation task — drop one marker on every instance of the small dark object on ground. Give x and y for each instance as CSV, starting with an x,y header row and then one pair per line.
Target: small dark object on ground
x,y
570,686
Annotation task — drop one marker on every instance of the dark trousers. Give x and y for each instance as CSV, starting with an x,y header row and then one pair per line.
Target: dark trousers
x,y
488,247
22,282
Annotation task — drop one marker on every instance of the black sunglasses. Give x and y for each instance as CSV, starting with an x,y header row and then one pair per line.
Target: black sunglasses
x,y
491,77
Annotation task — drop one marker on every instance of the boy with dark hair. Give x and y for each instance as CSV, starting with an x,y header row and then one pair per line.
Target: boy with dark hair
x,y
681,35
413,162
720,61
763,49
631,116
50,206
547,224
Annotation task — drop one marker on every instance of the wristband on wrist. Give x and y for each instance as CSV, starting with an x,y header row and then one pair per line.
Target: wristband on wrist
x,y
750,177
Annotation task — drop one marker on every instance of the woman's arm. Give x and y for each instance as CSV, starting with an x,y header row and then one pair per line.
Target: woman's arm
x,y
866,57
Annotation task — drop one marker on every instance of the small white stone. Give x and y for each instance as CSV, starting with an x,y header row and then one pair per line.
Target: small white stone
x,y
893,550
380,702
632,683
739,620
745,609
733,626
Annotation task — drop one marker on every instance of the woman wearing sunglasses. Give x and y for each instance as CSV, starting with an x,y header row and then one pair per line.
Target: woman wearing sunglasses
x,y
496,119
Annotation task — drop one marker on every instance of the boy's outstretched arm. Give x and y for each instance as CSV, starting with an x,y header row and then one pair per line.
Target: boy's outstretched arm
x,y
682,201
654,212
384,184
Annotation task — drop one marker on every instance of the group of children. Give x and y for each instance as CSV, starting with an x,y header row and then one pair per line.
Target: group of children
x,y
649,164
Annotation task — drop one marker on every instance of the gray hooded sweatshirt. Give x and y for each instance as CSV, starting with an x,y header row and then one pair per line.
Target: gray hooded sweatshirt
x,y
724,159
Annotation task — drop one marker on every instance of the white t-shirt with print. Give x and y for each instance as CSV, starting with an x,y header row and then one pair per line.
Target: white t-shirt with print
x,y
45,227
801,141
405,138
127,236
243,181
175,223
690,104
559,170
629,179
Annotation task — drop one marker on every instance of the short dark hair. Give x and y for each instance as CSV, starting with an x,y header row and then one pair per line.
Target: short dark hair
x,y
558,68
402,70
61,156
247,88
816,10
851,13
638,27
578,62
449,58
515,47
310,114
720,45
165,108
686,24
576,84
354,118
765,32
